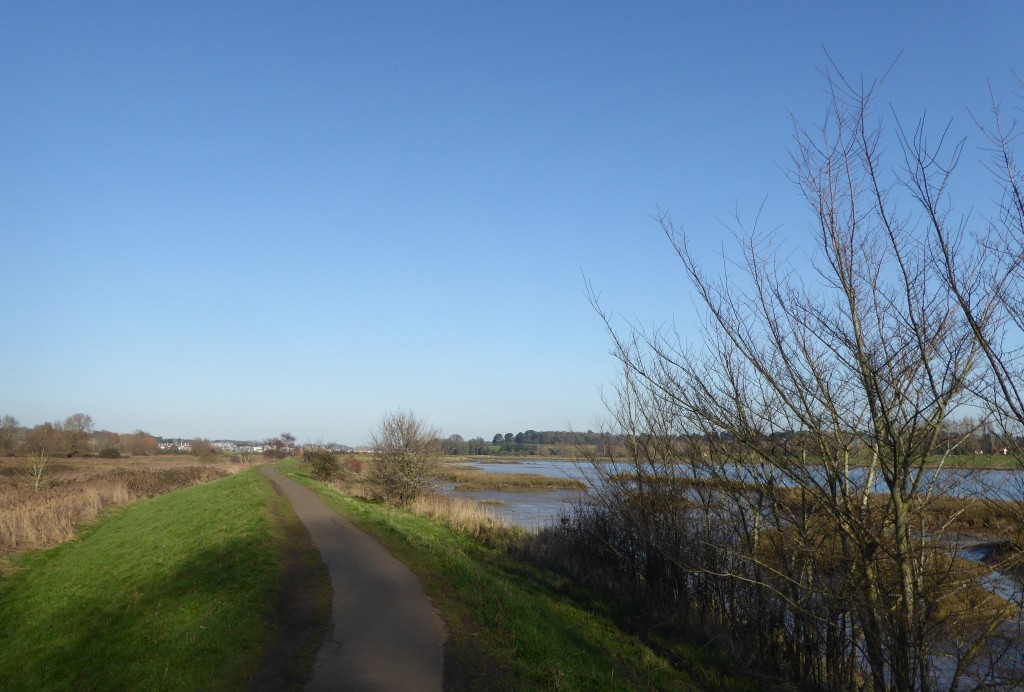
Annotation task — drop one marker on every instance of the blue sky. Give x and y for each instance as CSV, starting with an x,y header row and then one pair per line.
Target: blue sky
x,y
236,219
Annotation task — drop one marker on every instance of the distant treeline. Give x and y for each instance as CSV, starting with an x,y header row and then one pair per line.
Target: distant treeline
x,y
531,443
956,437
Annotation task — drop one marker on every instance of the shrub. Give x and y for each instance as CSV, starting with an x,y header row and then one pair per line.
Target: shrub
x,y
323,464
405,458
354,464
109,453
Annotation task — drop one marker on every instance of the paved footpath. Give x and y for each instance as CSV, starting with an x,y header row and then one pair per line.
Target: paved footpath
x,y
386,634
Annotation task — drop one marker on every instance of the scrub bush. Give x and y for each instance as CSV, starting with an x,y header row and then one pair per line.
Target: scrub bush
x,y
323,464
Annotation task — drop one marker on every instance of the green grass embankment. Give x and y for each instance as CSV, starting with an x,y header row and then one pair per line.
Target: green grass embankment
x,y
512,626
171,593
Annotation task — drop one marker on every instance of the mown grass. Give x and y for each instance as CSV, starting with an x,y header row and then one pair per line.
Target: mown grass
x,y
167,594
512,626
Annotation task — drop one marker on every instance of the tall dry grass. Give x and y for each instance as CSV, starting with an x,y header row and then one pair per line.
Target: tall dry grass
x,y
38,519
464,516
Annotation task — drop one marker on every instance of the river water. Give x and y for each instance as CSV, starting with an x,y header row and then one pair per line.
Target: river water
x,y
534,510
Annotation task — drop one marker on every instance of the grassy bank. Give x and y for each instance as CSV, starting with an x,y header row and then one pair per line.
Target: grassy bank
x,y
512,626
32,519
167,594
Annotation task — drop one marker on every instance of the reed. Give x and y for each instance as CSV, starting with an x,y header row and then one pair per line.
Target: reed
x,y
510,482
463,516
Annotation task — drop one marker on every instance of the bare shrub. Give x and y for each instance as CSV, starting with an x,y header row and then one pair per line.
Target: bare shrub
x,y
405,458
353,464
35,468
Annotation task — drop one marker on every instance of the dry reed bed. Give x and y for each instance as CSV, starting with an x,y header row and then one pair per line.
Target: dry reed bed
x,y
31,520
461,515
470,479
457,513
978,516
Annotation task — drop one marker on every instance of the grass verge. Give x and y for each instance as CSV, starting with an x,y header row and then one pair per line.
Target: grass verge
x,y
512,626
171,593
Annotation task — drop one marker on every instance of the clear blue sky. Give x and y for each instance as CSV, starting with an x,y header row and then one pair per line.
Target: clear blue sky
x,y
236,219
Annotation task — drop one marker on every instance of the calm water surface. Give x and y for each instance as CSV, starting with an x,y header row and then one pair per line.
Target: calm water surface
x,y
533,510
530,510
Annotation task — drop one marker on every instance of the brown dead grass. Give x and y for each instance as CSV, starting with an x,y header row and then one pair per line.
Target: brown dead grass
x,y
468,478
77,490
462,515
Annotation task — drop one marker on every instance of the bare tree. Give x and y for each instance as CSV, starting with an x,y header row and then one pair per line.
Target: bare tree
x,y
201,447
41,443
104,439
9,429
983,269
406,453
77,429
140,443
785,472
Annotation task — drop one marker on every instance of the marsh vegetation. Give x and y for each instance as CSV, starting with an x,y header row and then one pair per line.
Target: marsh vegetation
x,y
781,489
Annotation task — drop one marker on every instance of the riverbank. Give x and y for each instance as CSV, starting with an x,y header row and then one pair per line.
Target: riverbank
x,y
978,462
514,626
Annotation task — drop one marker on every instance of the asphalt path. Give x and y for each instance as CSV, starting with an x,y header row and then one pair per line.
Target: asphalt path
x,y
385,633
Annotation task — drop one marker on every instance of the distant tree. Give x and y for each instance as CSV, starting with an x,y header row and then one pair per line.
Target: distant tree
x,y
477,446
498,439
104,439
140,443
77,429
455,445
9,428
41,443
201,447
405,457
279,447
